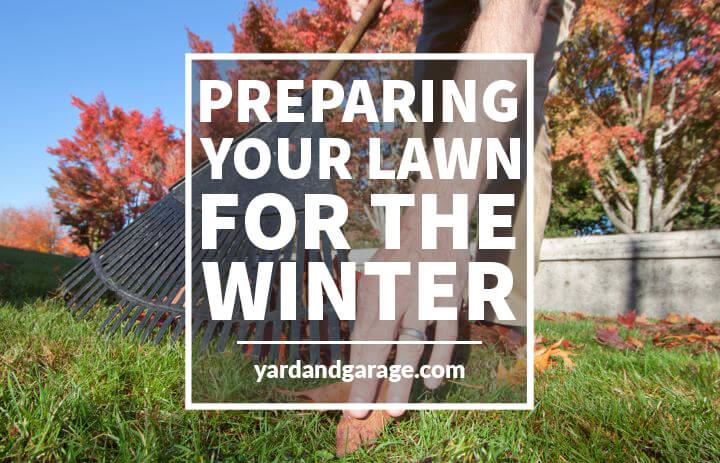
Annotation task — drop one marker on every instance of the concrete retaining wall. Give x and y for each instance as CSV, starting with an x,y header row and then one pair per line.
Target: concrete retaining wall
x,y
653,273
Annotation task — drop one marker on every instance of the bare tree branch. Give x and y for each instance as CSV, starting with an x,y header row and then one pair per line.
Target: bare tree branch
x,y
672,208
607,207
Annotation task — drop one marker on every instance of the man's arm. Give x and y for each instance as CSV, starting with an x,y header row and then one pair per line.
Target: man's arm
x,y
504,26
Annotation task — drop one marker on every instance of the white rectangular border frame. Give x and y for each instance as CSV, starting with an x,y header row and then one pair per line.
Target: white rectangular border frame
x,y
529,188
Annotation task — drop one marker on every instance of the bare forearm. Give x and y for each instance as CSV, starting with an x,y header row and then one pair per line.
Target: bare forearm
x,y
504,26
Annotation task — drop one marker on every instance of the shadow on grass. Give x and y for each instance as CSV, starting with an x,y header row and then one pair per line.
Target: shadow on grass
x,y
27,275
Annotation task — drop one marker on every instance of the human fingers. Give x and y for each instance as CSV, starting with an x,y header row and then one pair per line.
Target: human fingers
x,y
368,328
356,8
363,390
407,354
445,330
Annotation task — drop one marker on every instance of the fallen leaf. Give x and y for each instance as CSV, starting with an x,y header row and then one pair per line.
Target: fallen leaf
x,y
566,344
609,336
672,318
627,319
704,328
483,333
48,355
578,315
641,319
702,343
512,339
544,316
331,393
544,356
505,339
516,375
635,342
692,320
353,433
542,360
565,355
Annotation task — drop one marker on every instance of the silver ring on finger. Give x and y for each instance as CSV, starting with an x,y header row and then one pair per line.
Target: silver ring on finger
x,y
412,332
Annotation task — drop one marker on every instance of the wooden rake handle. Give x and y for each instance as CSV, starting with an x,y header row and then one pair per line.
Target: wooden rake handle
x,y
352,39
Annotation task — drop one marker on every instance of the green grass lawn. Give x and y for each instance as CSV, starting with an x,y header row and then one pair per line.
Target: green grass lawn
x,y
67,394
28,274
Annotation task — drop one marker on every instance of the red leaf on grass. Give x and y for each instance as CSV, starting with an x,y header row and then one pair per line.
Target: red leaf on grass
x,y
609,336
627,319
705,328
504,338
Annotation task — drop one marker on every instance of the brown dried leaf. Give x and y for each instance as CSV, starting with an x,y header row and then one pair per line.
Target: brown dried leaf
x,y
330,393
48,355
668,341
483,333
672,318
513,340
705,328
635,342
503,338
609,336
353,433
544,316
516,375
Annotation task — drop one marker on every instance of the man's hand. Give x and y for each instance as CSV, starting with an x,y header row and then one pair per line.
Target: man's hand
x,y
357,7
368,326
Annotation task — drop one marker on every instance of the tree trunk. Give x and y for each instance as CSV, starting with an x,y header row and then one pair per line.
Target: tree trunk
x,y
642,210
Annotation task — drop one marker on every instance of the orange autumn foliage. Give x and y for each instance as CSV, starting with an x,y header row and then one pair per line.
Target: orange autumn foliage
x,y
116,164
36,229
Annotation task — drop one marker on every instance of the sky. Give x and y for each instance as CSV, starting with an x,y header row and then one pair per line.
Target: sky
x,y
132,51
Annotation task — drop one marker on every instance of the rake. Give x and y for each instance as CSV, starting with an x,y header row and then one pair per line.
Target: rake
x,y
140,272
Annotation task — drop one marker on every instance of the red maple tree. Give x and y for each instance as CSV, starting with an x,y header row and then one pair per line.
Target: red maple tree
x,y
320,30
116,165
636,106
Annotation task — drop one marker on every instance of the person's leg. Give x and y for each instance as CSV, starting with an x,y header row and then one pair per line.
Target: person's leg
x,y
446,25
555,31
